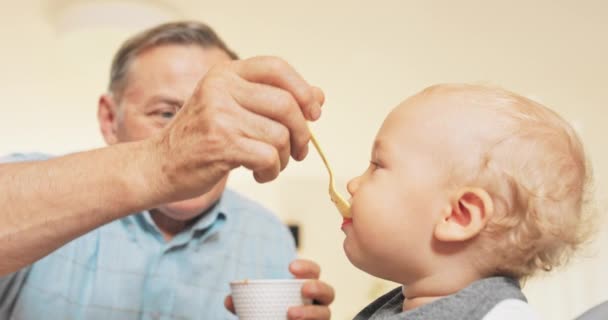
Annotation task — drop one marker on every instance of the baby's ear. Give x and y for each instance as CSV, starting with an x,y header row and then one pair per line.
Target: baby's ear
x,y
467,215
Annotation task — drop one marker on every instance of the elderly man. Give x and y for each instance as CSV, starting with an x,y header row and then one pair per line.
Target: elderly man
x,y
181,236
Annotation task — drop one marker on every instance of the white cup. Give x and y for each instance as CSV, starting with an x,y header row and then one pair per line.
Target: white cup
x,y
267,299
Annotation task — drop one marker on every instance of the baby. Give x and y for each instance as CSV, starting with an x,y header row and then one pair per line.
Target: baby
x,y
470,190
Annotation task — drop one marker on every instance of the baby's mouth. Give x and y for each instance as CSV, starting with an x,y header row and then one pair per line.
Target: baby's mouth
x,y
346,221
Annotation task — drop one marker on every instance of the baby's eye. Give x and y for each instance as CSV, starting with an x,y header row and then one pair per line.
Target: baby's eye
x,y
373,165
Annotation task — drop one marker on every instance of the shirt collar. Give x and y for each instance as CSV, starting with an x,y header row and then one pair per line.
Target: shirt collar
x,y
209,217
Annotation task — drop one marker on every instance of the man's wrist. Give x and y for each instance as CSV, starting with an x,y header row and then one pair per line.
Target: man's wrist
x,y
145,170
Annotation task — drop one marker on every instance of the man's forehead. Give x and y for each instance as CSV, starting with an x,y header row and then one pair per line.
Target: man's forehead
x,y
175,69
178,59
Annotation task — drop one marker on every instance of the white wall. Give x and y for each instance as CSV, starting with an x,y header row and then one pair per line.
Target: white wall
x,y
367,56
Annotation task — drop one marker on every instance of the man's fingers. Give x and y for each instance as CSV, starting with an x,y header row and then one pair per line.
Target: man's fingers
x,y
259,157
229,304
278,73
305,269
318,291
309,312
279,105
321,293
255,136
319,95
255,126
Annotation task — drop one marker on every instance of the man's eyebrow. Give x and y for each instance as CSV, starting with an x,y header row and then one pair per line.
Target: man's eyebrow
x,y
164,99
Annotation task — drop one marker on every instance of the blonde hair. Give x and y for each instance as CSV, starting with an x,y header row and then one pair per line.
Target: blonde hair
x,y
536,171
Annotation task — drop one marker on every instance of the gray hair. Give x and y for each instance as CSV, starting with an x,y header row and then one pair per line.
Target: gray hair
x,y
182,33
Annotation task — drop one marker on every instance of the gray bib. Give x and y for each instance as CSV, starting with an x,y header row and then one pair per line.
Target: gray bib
x,y
470,303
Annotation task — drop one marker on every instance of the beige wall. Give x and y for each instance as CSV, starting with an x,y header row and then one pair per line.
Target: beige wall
x,y
367,56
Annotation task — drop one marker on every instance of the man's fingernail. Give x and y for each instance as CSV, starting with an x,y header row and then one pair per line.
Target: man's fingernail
x,y
316,111
303,153
294,313
295,266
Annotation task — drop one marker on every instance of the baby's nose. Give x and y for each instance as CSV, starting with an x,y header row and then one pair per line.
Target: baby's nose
x,y
352,185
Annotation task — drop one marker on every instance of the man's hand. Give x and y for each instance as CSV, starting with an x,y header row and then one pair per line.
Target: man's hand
x,y
321,293
249,113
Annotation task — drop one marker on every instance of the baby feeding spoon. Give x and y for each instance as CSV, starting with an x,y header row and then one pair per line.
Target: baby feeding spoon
x,y
342,205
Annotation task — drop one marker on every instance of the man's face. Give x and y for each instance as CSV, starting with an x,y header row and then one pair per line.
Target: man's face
x,y
158,82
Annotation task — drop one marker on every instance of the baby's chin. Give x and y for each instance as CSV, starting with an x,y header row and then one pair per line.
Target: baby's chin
x,y
362,265
366,263
351,254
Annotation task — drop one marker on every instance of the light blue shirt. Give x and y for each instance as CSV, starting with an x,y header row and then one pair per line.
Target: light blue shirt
x,y
125,270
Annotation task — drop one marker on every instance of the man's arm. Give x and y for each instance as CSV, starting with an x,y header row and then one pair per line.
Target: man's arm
x,y
47,203
249,113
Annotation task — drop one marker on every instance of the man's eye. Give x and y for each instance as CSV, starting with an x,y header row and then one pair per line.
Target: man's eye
x,y
164,113
167,114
